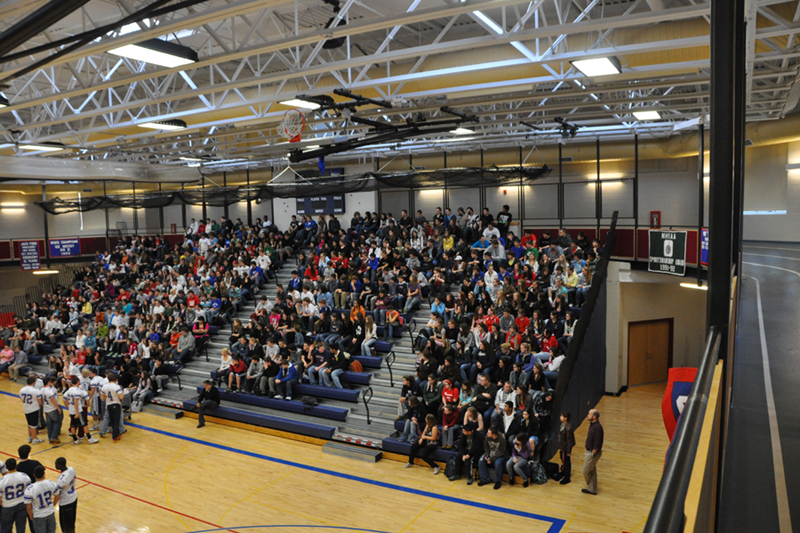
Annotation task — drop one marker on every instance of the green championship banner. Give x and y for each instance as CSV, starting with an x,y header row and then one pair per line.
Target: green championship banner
x,y
667,252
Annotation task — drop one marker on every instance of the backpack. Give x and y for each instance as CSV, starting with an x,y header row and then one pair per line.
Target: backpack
x,y
309,402
355,366
136,407
450,471
538,474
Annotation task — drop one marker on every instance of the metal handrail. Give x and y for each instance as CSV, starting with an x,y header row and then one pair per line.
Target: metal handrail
x,y
367,396
390,357
667,511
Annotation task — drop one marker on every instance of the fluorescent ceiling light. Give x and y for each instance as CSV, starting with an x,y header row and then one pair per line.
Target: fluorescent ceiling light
x,y
190,159
165,125
601,66
312,147
45,272
194,165
303,104
3,101
158,52
647,115
462,131
33,147
694,286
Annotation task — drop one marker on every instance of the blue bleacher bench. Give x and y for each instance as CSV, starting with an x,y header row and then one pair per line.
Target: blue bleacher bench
x,y
358,378
368,361
403,448
268,421
331,393
293,406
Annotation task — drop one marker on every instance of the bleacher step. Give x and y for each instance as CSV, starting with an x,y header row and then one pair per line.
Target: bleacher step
x,y
369,455
165,412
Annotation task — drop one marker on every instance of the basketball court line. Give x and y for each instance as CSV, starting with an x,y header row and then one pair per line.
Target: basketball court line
x,y
781,495
557,524
92,483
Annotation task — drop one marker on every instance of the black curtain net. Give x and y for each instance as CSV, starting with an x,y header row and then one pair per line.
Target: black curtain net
x,y
303,187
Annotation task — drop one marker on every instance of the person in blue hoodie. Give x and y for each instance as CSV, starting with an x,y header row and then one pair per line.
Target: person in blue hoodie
x,y
286,378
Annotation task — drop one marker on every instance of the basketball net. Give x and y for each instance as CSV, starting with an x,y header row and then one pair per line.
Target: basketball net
x,y
293,124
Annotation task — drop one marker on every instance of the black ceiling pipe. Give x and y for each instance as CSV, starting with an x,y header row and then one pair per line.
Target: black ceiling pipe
x,y
37,22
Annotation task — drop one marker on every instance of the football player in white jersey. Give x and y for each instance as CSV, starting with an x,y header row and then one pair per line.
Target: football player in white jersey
x,y
12,492
97,406
41,499
31,403
52,410
68,504
75,400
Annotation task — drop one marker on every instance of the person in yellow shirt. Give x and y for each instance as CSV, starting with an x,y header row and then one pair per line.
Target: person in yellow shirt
x,y
447,241
571,283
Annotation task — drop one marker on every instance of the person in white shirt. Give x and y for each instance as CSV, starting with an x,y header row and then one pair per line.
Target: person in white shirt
x,y
41,499
68,502
112,394
204,243
80,339
97,407
52,411
12,494
74,399
31,402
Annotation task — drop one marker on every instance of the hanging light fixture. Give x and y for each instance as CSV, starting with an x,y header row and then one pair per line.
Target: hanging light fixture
x,y
164,125
158,52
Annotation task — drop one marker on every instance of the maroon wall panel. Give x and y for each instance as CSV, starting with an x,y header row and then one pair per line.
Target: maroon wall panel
x,y
5,250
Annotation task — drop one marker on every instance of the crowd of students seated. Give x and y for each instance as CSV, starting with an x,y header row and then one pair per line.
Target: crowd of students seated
x,y
503,310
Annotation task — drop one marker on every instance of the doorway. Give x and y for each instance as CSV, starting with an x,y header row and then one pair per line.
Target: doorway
x,y
649,351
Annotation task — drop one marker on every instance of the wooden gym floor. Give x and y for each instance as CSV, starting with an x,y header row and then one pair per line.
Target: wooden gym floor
x,y
168,476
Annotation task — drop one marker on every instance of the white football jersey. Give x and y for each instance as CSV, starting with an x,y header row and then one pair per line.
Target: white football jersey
x,y
12,487
112,391
40,497
75,395
66,484
48,393
30,399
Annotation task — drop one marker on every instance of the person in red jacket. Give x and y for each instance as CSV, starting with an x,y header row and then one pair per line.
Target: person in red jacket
x,y
238,370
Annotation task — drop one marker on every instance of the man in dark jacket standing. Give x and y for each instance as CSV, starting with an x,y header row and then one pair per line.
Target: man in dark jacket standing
x,y
594,449
209,399
470,447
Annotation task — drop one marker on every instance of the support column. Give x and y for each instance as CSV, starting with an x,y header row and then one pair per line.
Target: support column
x,y
160,216
225,188
46,229
183,207
135,211
560,187
205,207
701,161
108,244
598,191
249,207
635,193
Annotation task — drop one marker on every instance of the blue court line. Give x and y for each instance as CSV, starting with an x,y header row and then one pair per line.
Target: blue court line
x,y
556,523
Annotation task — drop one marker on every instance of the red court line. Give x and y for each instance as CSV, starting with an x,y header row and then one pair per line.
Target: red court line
x,y
173,511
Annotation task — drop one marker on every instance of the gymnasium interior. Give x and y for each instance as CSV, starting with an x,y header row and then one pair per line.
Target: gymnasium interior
x,y
317,241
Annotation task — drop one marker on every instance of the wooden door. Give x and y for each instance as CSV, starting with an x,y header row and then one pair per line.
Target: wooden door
x,y
649,351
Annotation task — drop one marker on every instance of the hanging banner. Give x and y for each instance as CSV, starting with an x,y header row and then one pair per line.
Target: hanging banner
x,y
704,247
679,385
668,252
29,255
65,247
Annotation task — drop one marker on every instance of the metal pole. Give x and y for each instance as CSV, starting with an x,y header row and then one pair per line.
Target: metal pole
x,y
249,207
481,157
135,211
519,196
225,188
560,187
635,193
46,229
160,216
739,139
205,207
598,192
701,199
723,46
183,207
108,244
